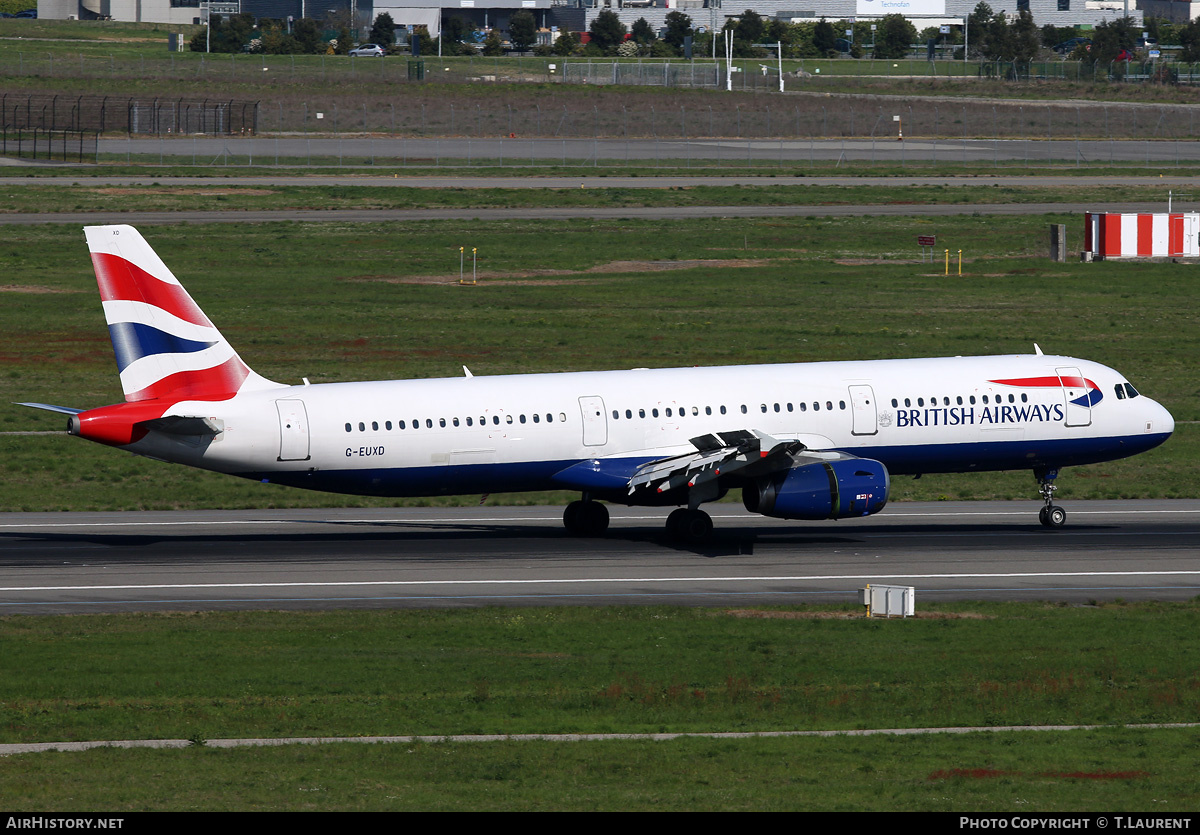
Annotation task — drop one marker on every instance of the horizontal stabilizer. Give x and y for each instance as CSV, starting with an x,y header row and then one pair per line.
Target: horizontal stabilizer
x,y
62,410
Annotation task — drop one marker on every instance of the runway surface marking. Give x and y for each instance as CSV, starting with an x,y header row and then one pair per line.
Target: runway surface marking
x,y
581,580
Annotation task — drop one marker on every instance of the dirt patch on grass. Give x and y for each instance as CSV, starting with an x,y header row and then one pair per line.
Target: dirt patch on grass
x,y
188,190
543,277
31,288
844,615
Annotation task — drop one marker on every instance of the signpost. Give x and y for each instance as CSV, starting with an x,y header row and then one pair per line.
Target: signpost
x,y
927,242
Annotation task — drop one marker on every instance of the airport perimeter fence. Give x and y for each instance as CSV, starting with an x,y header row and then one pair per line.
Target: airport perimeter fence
x,y
124,114
751,74
39,144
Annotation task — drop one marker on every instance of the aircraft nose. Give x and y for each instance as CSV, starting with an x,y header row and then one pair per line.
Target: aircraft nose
x,y
1160,420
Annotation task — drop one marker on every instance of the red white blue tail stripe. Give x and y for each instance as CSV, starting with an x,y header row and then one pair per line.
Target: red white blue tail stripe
x,y
166,348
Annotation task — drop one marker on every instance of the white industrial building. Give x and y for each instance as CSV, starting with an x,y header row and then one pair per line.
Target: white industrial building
x,y
577,15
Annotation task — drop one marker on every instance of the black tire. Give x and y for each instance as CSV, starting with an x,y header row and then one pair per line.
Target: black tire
x,y
696,527
1056,517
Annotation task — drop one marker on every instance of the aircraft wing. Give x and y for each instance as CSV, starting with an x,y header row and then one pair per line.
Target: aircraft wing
x,y
746,452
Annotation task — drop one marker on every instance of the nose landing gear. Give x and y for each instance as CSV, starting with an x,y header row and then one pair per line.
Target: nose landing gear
x,y
1051,516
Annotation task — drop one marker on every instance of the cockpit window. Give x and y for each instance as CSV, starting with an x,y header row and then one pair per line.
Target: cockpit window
x,y
1130,390
1120,390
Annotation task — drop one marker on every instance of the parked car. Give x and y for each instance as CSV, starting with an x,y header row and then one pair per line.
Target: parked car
x,y
1068,46
367,50
1124,55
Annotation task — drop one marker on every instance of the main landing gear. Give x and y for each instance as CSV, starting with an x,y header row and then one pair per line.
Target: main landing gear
x,y
586,518
1051,516
690,526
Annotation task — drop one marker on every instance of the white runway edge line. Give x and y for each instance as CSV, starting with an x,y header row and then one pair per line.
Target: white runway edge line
x,y
870,578
473,520
38,747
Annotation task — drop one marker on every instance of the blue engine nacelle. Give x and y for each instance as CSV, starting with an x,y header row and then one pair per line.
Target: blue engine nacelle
x,y
824,490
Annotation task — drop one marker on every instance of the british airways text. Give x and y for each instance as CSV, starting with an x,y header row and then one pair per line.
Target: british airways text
x,y
970,416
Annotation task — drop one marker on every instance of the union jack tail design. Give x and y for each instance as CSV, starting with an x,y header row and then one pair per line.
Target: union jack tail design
x,y
166,347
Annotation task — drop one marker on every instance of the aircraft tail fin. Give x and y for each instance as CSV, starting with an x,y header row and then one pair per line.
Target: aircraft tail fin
x,y
164,344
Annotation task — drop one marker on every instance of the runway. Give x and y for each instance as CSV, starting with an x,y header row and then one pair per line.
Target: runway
x,y
435,557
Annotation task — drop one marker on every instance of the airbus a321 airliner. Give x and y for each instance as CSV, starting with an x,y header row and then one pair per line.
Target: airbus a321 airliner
x,y
800,441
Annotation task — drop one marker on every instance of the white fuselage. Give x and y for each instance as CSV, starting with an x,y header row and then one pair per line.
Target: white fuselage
x,y
492,434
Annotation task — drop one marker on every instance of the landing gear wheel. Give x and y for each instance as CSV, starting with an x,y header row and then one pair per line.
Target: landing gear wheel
x,y
690,526
1056,517
585,519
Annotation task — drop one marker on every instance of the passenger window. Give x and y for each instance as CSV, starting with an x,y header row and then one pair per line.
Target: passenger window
x,y
816,406
428,423
348,427
641,413
722,410
744,409
362,427
400,424
508,419
628,413
455,421
374,426
654,412
804,407
470,422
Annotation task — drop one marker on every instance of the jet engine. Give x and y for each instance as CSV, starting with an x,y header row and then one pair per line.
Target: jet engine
x,y
821,490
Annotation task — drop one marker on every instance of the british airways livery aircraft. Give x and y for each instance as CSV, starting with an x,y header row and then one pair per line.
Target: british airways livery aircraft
x,y
800,441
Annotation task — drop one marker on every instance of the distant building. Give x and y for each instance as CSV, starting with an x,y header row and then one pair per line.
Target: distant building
x,y
577,15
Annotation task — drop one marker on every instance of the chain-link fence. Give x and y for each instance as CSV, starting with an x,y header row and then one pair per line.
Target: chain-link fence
x,y
266,71
127,115
39,144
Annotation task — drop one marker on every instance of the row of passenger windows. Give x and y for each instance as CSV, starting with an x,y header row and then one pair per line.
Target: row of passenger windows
x,y
959,401
1123,390
694,411
429,423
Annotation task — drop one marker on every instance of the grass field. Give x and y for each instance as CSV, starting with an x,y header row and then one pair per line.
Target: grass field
x,y
376,301
645,669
